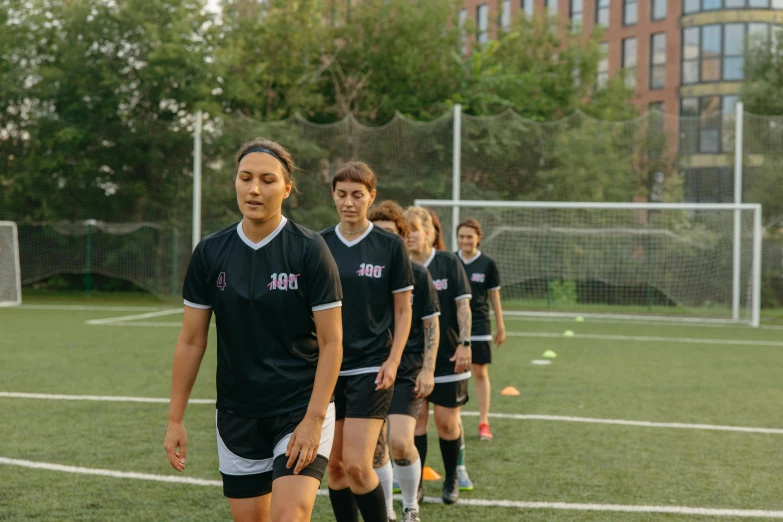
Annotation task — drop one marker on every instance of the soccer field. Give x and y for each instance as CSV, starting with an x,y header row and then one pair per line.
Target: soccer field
x,y
630,422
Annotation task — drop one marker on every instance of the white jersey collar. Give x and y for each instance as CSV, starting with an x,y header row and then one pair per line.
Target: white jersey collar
x,y
266,240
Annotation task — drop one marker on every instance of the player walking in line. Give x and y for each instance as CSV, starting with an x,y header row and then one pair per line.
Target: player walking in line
x,y
415,377
465,484
275,292
452,367
377,280
485,287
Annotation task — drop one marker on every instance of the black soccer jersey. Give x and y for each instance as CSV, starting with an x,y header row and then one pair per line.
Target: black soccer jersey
x,y
372,267
452,284
483,275
425,305
263,296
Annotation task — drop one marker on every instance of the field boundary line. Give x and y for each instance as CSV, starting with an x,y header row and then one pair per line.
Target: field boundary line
x,y
123,318
649,338
512,416
678,510
88,308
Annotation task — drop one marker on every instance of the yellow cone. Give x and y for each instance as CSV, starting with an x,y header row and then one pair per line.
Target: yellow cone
x,y
510,390
430,474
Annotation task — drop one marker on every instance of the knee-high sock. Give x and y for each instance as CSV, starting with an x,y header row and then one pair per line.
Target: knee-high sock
x,y
386,477
344,505
372,506
409,477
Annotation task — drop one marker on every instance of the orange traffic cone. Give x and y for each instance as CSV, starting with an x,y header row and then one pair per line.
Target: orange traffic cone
x,y
510,390
430,474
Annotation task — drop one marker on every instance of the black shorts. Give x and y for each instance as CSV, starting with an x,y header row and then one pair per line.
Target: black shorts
x,y
355,397
481,352
404,401
251,451
449,394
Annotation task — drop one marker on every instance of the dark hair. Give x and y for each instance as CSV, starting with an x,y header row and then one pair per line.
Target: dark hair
x,y
472,223
390,211
437,242
355,172
283,156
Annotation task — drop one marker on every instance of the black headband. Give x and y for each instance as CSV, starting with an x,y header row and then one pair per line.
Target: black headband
x,y
265,151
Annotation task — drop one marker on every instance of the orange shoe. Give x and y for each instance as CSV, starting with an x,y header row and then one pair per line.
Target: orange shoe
x,y
484,432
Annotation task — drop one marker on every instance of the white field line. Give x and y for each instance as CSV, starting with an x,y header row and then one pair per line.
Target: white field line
x,y
513,416
149,315
510,316
678,510
89,308
101,398
646,338
150,324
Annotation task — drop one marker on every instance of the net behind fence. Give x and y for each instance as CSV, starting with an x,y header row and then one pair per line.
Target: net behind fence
x,y
10,285
618,261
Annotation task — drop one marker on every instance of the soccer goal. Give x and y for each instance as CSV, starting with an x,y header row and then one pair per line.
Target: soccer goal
x,y
638,260
10,272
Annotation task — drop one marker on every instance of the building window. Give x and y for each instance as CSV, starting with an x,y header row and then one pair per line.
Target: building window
x,y
716,52
733,54
577,9
602,12
630,12
658,9
482,19
551,6
658,61
527,7
694,6
629,61
505,15
690,55
710,53
707,124
602,78
463,16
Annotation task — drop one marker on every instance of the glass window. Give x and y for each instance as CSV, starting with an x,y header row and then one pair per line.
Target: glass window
x,y
629,61
758,34
602,78
577,10
710,120
758,4
505,15
482,18
711,5
691,6
735,4
690,55
629,12
690,107
658,61
551,7
658,9
777,4
689,125
527,7
710,53
733,44
602,13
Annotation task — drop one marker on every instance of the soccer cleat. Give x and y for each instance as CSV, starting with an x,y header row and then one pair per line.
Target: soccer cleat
x,y
450,491
484,432
465,484
410,515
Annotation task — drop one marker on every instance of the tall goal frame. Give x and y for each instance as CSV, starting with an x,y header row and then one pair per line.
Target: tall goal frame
x,y
755,299
18,269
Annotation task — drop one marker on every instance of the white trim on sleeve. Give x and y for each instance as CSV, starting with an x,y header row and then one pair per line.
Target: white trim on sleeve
x,y
327,306
493,289
436,314
463,296
196,305
402,290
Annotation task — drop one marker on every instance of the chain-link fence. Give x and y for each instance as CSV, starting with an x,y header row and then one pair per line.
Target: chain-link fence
x,y
55,175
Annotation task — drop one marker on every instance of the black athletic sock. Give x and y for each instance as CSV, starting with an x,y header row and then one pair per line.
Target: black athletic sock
x,y
420,441
449,449
372,505
344,505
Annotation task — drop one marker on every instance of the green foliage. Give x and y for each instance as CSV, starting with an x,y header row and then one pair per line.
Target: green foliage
x,y
762,90
563,292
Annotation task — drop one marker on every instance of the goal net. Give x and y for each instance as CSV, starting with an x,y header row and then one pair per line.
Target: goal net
x,y
10,273
686,261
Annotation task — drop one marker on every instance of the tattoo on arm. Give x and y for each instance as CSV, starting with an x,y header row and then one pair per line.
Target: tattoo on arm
x,y
430,343
464,319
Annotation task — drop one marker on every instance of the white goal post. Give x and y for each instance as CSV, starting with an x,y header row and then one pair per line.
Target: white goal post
x,y
10,271
679,261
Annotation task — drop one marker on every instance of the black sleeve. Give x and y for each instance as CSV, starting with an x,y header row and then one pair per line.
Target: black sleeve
x,y
493,277
195,289
431,304
462,289
401,278
322,278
